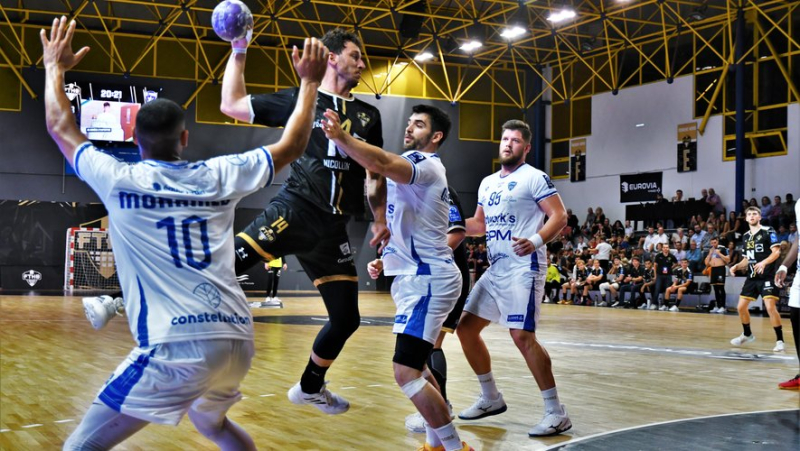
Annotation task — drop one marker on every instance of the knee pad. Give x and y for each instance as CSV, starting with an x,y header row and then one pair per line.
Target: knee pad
x,y
412,388
411,351
341,301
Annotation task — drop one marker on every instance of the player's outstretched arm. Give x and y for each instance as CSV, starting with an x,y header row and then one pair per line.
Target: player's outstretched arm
x,y
58,59
791,257
373,159
311,68
235,103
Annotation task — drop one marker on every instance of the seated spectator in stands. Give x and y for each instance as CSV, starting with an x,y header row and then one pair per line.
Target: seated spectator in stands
x,y
776,212
743,207
787,210
648,242
481,261
593,281
618,229
678,197
695,257
679,252
713,220
792,237
631,283
731,228
599,216
628,228
682,281
783,233
566,244
752,202
580,245
660,198
575,282
624,244
766,209
699,235
471,251
679,237
715,202
572,222
602,228
615,275
711,232
556,245
590,217
697,220
703,194
648,281
661,236
552,282
733,253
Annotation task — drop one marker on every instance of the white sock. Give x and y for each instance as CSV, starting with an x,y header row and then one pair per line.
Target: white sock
x,y
449,437
488,387
551,402
430,436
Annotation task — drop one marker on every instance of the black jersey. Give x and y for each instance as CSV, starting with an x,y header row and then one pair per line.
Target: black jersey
x,y
682,275
635,273
664,264
324,175
647,275
457,223
581,274
757,247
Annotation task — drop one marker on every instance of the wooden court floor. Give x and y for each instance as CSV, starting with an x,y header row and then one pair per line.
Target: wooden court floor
x,y
614,368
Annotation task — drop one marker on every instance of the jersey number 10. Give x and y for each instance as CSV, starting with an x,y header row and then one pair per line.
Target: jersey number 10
x,y
172,240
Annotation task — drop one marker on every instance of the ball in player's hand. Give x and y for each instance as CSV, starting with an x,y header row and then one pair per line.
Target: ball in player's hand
x,y
231,19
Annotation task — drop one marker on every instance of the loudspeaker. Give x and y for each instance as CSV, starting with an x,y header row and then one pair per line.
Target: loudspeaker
x,y
411,24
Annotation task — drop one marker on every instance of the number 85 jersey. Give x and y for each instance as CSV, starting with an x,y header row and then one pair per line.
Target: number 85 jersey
x,y
171,225
511,209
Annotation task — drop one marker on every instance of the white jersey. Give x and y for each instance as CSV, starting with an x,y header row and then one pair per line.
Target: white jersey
x,y
418,216
171,225
511,207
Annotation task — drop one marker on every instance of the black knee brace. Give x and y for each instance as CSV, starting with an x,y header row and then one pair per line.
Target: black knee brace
x,y
341,301
438,366
411,351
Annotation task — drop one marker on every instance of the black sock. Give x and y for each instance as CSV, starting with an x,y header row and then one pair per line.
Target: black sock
x,y
313,377
779,332
437,364
747,331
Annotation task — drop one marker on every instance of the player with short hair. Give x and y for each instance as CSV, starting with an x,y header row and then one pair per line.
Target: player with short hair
x,y
171,223
309,215
427,282
717,259
792,257
761,250
682,281
512,205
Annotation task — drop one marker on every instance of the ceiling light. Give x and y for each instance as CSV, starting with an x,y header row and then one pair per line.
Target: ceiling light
x,y
640,125
423,56
513,32
560,16
471,45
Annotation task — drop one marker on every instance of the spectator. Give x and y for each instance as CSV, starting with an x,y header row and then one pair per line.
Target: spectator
x,y
680,237
704,194
712,219
787,210
590,217
599,216
775,213
766,208
648,243
679,252
711,232
661,236
731,227
629,228
481,261
572,222
714,201
744,206
581,244
699,235
752,203
678,197
792,232
695,257
552,282
602,253
783,234
733,253
631,283
697,220
618,229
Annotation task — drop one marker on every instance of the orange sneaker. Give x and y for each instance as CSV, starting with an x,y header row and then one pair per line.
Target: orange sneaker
x,y
427,447
465,447
791,384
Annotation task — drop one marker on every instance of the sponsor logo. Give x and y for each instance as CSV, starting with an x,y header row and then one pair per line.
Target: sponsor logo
x,y
626,187
455,216
415,157
72,90
494,258
345,248
548,181
31,277
511,185
515,318
237,159
241,254
266,234
208,293
389,250
363,118
499,235
345,260
149,95
401,319
209,317
501,219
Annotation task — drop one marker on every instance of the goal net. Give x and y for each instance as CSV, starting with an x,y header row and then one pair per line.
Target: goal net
x,y
89,261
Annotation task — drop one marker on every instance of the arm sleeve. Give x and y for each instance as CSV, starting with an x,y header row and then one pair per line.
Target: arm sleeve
x,y
273,110
244,173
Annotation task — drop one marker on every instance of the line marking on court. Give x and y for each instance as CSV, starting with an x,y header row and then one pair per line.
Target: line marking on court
x,y
375,385
661,423
64,421
4,430
28,426
266,396
348,388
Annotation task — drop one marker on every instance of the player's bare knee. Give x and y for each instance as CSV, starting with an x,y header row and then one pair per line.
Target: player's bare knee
x,y
209,427
524,340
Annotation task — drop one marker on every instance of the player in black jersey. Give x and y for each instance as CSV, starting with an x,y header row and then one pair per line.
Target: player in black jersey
x,y
309,215
761,251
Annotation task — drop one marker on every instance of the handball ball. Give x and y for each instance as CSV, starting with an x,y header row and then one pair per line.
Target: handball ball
x,y
231,19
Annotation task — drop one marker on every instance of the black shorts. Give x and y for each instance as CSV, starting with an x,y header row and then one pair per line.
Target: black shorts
x,y
753,288
717,276
293,226
451,322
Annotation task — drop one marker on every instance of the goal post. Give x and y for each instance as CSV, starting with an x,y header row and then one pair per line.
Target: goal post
x,y
89,260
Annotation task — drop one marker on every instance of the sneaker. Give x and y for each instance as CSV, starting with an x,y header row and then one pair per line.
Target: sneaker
x,y
552,424
791,384
674,308
325,400
663,308
653,307
722,310
642,307
271,303
778,346
100,310
484,408
742,339
615,304
602,304
415,422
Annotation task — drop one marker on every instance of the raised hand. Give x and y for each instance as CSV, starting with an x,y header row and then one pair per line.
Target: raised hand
x,y
312,65
58,49
332,125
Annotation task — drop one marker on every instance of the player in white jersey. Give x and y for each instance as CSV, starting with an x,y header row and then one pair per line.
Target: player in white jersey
x,y
427,282
794,298
512,205
171,222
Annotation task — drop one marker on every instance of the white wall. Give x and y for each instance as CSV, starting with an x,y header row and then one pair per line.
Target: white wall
x,y
617,146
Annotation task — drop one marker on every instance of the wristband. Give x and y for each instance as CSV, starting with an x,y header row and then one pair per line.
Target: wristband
x,y
783,269
537,241
239,50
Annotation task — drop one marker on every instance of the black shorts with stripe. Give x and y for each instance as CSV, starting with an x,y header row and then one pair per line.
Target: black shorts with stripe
x,y
753,288
293,226
717,276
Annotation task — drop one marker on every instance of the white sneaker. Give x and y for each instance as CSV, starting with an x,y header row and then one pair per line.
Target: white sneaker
x,y
742,339
663,308
271,303
415,422
484,407
602,304
722,310
674,308
778,346
100,310
552,424
615,304
325,400
643,307
653,307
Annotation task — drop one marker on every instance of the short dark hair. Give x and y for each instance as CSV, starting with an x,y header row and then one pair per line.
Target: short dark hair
x,y
105,104
336,39
440,121
159,124
522,127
